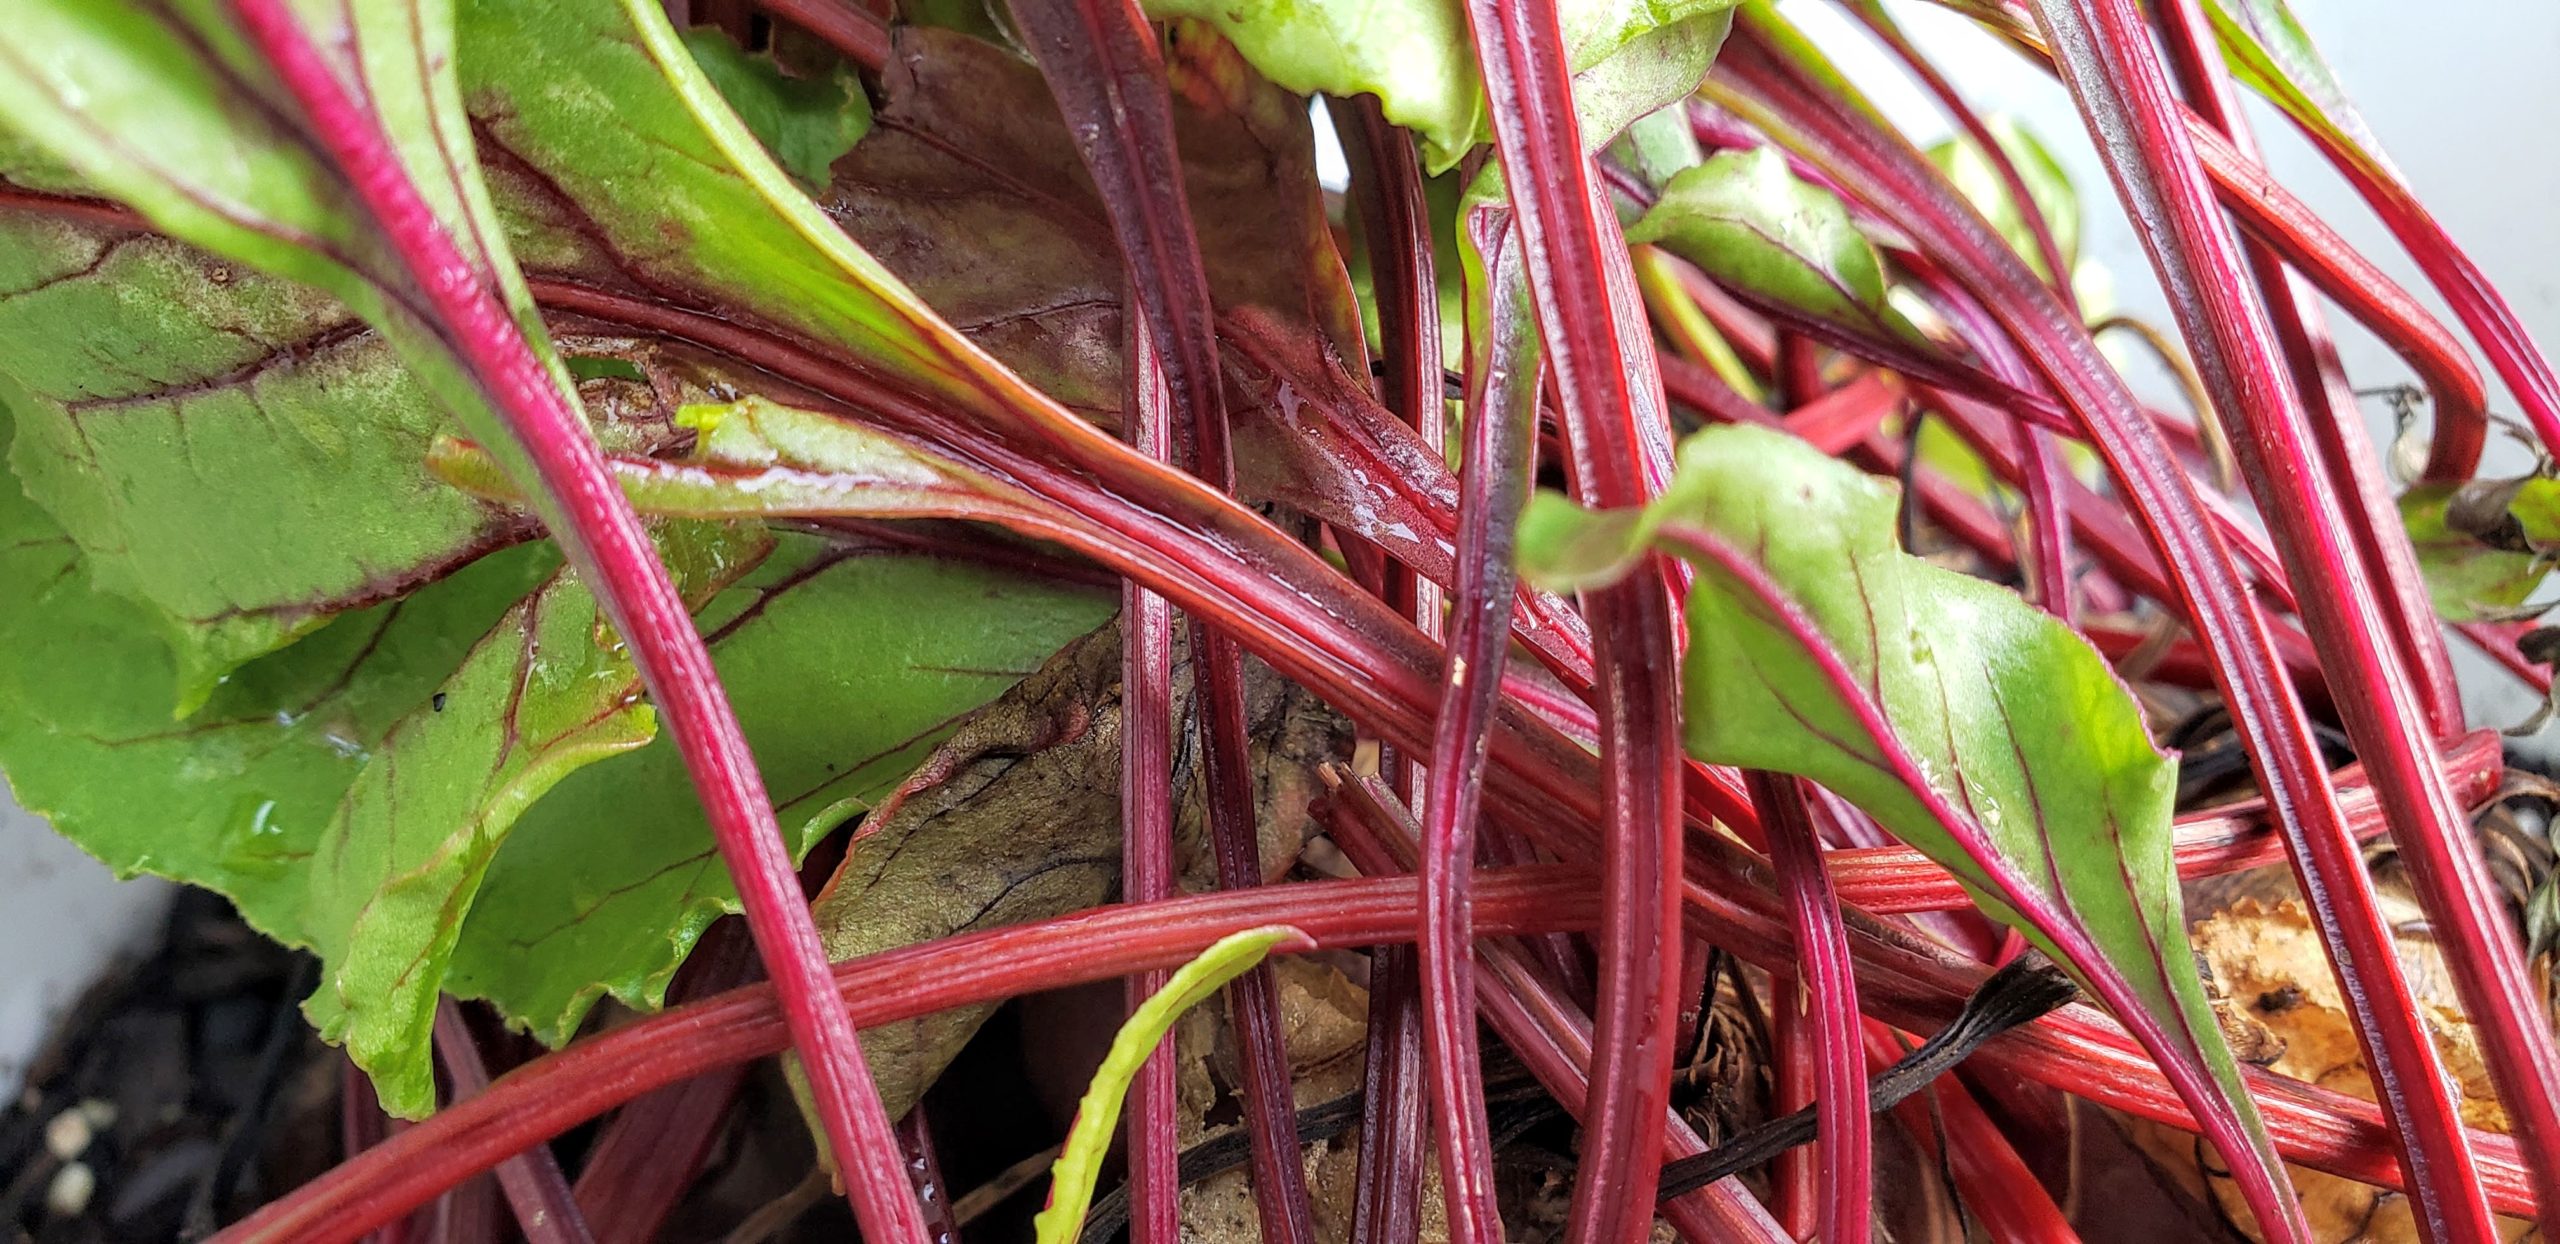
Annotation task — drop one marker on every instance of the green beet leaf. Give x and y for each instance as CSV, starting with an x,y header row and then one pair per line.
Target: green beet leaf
x,y
840,672
1977,728
1019,821
2484,547
1747,221
396,871
234,798
231,449
1653,71
1660,144
845,665
1414,55
600,104
148,104
805,122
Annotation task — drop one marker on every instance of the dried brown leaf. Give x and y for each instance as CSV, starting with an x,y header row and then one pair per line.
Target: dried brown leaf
x,y
2279,1002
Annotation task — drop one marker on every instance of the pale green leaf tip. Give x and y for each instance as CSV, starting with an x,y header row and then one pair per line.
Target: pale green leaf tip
x,y
1079,1163
402,1084
404,1088
1566,548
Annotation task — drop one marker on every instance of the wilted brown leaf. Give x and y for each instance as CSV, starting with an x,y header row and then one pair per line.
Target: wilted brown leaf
x,y
1023,823
1017,817
969,189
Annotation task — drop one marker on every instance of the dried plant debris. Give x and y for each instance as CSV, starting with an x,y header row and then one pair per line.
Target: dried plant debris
x,y
1724,1087
2281,1007
1294,736
1324,1017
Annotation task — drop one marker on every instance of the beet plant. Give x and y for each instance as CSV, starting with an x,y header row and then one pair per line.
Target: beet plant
x,y
502,485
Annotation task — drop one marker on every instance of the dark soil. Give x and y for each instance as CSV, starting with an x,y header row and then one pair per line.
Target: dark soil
x,y
186,1090
175,1096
